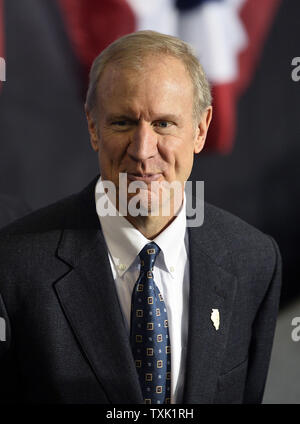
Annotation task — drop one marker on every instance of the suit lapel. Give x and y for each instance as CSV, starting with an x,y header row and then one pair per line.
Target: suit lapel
x,y
89,299
211,287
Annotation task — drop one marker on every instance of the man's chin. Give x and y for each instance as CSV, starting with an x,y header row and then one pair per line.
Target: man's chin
x,y
144,203
149,204
150,200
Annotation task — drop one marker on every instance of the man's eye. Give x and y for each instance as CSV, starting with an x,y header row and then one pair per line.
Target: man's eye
x,y
120,123
163,124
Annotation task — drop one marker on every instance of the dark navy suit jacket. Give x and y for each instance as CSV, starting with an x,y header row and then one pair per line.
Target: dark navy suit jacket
x,y
66,341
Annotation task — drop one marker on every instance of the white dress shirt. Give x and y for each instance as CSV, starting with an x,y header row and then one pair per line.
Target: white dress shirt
x,y
171,275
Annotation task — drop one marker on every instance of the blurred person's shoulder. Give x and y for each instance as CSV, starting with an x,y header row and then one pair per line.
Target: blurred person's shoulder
x,y
11,208
40,220
67,213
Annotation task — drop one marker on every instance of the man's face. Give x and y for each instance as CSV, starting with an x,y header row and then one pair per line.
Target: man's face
x,y
144,123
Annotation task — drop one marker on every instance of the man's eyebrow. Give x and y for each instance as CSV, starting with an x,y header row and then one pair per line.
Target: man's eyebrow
x,y
166,117
132,118
116,117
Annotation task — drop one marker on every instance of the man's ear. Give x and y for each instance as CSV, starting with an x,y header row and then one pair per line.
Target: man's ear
x,y
202,129
93,131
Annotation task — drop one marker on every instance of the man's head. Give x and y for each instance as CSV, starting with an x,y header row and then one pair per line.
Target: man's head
x,y
130,50
148,109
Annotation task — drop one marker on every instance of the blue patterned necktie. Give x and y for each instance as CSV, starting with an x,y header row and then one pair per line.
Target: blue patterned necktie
x,y
149,333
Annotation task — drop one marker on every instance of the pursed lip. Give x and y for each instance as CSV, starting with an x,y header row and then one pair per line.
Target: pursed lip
x,y
147,177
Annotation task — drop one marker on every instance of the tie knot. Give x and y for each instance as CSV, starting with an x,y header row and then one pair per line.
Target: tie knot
x,y
148,255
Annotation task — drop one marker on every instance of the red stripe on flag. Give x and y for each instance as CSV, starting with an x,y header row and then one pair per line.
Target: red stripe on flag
x,y
92,25
222,129
257,21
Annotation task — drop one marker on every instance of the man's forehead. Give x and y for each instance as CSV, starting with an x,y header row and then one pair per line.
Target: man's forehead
x,y
127,79
149,65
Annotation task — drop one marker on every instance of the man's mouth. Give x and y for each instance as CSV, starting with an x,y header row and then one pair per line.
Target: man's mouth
x,y
147,177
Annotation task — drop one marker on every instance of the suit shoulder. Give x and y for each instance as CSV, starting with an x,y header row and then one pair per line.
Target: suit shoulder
x,y
246,245
232,227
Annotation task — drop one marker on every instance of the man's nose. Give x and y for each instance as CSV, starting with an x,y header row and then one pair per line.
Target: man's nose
x,y
143,142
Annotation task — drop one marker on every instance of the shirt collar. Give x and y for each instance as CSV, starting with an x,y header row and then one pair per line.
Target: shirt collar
x,y
125,242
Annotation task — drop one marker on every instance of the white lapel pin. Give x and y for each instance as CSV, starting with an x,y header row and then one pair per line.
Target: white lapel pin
x,y
215,317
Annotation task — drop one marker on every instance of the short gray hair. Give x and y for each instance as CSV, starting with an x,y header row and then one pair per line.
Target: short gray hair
x,y
131,49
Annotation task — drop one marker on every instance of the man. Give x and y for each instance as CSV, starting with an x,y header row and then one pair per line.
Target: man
x,y
131,306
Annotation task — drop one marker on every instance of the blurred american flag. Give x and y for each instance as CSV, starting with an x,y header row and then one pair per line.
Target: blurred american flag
x,y
228,36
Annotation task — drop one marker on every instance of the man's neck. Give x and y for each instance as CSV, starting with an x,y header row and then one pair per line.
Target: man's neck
x,y
150,226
